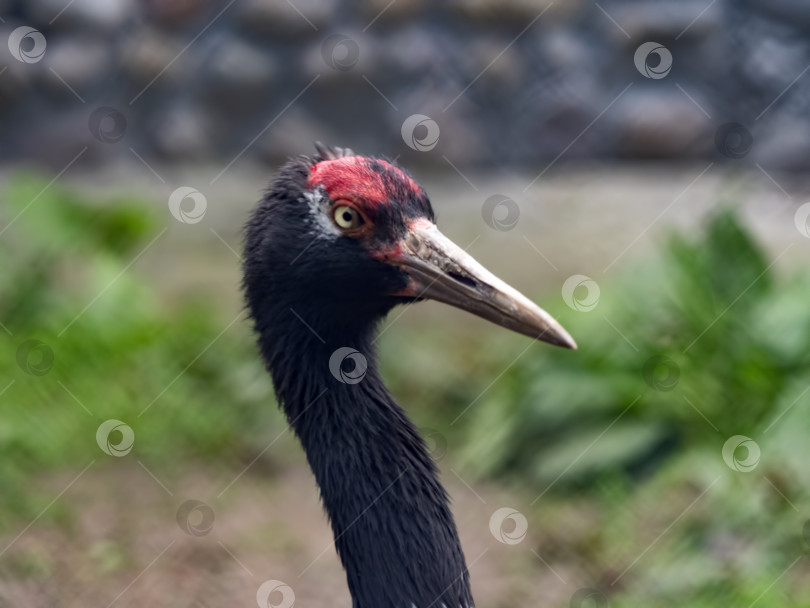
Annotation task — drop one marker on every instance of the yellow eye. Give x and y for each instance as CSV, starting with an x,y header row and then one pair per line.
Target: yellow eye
x,y
347,217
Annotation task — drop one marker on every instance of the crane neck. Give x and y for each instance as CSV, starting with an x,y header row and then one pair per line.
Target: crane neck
x,y
393,528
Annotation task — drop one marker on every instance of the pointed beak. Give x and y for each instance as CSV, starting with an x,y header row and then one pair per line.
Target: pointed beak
x,y
441,270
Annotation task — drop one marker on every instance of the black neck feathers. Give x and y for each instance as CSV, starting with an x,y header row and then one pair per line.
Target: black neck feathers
x,y
393,528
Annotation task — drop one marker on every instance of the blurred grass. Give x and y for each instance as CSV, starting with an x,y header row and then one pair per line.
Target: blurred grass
x,y
111,356
700,344
621,439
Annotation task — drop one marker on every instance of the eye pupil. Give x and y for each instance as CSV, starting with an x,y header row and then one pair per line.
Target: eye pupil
x,y
347,217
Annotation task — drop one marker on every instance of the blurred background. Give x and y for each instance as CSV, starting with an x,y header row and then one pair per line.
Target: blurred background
x,y
637,167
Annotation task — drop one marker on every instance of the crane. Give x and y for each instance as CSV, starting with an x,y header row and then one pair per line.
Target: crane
x,y
337,241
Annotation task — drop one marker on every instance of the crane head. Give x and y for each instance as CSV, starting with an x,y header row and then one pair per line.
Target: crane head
x,y
359,232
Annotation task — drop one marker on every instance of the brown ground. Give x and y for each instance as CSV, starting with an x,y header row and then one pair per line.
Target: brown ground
x,y
127,549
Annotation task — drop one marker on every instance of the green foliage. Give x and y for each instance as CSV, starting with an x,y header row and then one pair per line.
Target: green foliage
x,y
700,344
107,347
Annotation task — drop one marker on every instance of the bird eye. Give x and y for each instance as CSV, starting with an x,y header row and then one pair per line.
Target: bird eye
x,y
347,217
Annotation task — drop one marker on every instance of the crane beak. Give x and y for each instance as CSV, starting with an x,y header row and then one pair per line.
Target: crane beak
x,y
441,270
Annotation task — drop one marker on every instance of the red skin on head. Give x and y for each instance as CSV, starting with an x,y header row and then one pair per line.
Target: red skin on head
x,y
351,178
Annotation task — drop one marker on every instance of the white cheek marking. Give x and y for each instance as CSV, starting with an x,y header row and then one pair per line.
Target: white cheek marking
x,y
320,224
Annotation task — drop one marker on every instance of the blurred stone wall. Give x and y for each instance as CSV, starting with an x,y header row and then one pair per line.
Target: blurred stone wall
x,y
481,83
